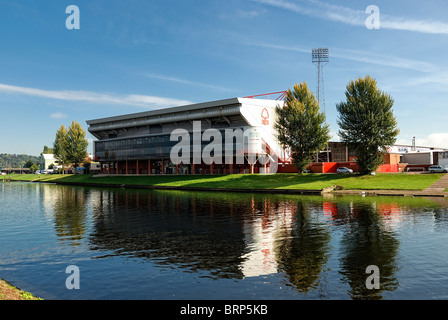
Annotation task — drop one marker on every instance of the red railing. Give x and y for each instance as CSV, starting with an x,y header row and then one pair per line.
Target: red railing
x,y
281,95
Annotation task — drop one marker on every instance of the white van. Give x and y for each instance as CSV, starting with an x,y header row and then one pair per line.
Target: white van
x,y
434,169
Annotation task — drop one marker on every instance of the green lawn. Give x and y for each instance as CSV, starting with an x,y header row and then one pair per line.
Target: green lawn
x,y
247,181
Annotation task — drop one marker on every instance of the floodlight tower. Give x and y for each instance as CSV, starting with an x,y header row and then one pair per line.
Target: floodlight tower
x,y
320,59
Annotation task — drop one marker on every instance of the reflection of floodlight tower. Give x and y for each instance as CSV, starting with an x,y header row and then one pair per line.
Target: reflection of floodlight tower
x,y
320,58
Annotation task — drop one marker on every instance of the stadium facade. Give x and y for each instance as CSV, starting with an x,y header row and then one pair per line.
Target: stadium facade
x,y
143,143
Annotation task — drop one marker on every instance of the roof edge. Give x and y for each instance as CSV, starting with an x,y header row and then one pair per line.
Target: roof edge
x,y
183,108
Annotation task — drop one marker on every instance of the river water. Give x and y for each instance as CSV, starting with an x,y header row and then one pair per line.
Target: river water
x,y
163,245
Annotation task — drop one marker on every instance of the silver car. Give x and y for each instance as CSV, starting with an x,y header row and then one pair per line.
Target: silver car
x,y
434,169
344,170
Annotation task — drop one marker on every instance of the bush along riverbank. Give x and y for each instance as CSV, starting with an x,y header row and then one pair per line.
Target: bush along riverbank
x,y
279,183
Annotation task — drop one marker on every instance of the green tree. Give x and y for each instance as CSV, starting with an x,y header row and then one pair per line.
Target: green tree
x,y
34,167
70,146
301,127
61,146
77,144
28,164
367,123
47,150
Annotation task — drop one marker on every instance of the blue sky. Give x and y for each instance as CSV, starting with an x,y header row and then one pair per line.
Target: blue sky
x,y
132,56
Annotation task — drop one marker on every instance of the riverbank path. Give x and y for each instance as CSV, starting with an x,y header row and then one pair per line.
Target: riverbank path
x,y
439,186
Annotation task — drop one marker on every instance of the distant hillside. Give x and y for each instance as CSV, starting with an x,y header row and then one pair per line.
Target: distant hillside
x,y
16,160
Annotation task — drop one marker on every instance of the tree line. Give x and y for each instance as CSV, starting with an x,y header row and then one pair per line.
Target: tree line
x,y
17,160
366,121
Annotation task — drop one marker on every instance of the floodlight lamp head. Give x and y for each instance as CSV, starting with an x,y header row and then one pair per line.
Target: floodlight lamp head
x,y
320,55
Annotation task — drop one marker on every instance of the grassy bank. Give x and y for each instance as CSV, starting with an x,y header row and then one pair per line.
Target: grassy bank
x,y
247,181
9,292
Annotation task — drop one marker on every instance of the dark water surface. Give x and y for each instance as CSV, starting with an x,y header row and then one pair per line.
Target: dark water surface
x,y
135,244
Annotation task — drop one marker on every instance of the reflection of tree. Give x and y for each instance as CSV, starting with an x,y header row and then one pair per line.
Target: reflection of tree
x,y
440,218
303,254
365,243
70,212
171,230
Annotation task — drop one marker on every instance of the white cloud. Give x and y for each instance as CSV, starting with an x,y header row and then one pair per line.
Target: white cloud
x,y
439,140
437,79
422,26
280,47
335,137
103,98
349,16
188,82
384,60
58,115
436,140
361,56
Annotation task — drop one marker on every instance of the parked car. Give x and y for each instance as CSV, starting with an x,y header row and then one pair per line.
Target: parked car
x,y
434,169
344,170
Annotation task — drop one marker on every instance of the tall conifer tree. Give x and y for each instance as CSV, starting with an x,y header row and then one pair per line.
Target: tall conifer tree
x,y
367,123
